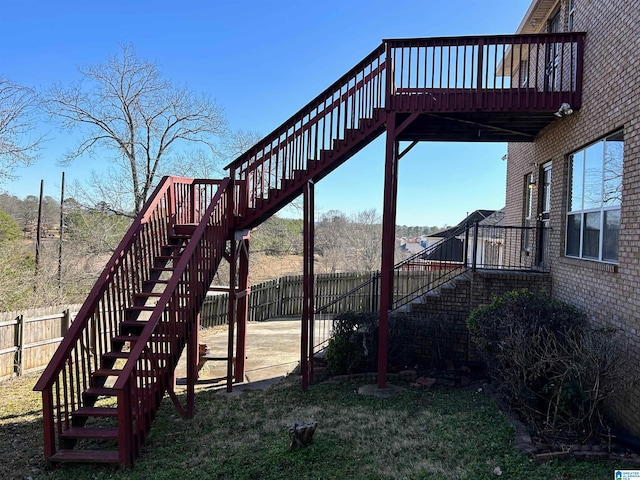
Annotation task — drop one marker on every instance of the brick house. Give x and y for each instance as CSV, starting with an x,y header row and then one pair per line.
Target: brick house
x,y
581,175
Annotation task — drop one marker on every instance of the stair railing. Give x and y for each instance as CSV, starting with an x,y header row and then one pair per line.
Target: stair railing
x,y
473,247
68,373
265,168
445,74
413,276
149,369
430,268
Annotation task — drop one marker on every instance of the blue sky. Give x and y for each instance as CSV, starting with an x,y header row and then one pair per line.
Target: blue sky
x,y
262,61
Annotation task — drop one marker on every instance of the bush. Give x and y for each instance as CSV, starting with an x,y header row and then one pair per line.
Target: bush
x,y
353,343
555,369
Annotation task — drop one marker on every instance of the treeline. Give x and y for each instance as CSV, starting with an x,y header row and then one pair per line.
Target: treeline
x,y
408,232
67,264
343,242
69,261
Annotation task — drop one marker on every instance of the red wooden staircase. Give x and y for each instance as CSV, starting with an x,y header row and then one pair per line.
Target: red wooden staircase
x,y
104,385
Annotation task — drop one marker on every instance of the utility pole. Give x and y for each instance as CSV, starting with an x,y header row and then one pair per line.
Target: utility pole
x,y
60,230
38,234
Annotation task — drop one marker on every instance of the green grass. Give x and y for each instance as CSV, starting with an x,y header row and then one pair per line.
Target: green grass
x,y
439,434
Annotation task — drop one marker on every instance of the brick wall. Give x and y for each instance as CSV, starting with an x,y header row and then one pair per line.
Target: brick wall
x,y
434,332
611,101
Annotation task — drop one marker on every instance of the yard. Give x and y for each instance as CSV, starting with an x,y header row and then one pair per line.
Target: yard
x,y
438,433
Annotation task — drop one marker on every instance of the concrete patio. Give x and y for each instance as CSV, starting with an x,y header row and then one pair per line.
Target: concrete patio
x,y
273,351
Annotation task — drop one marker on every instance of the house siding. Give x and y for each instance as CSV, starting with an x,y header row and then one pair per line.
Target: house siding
x,y
610,101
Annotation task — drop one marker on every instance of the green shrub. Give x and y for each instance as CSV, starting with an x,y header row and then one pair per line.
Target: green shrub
x,y
353,343
9,229
555,369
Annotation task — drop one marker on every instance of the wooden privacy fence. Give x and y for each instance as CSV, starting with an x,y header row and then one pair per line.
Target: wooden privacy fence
x,y
29,339
283,297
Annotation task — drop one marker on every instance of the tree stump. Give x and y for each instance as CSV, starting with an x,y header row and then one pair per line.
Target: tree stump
x,y
301,435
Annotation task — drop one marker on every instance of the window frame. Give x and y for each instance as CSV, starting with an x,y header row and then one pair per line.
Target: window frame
x,y
528,218
585,214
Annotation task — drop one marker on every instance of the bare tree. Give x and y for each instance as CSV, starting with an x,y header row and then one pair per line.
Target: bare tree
x,y
125,106
349,243
366,239
17,120
206,164
236,143
331,241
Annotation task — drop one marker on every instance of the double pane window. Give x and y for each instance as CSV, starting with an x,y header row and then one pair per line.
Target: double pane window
x,y
594,199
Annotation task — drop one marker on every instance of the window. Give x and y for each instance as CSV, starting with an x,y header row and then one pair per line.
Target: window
x,y
554,23
553,55
594,199
572,11
524,73
546,191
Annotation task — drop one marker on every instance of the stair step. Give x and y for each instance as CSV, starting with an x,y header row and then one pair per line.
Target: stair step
x,y
106,372
133,325
106,433
324,154
99,392
123,339
95,412
184,229
162,269
116,355
273,193
179,236
86,456
125,355
147,294
151,283
174,247
172,256
142,308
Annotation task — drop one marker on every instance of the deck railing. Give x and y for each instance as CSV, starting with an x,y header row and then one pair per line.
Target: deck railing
x,y
502,72
69,373
492,73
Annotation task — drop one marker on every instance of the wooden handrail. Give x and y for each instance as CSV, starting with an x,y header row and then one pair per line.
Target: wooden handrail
x,y
307,109
185,258
86,311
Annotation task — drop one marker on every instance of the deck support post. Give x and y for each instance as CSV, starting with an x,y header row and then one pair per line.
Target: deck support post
x,y
48,423
232,307
306,342
388,245
192,367
243,304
